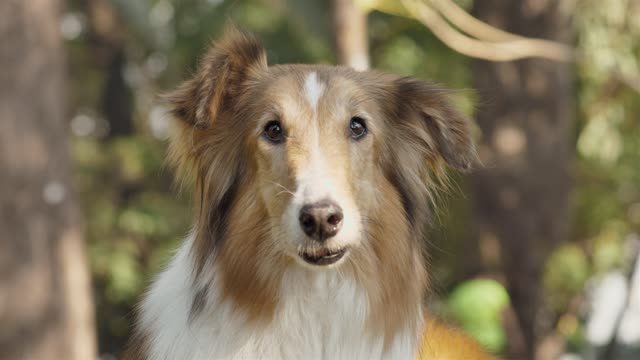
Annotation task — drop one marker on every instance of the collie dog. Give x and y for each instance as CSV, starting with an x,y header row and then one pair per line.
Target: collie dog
x,y
312,186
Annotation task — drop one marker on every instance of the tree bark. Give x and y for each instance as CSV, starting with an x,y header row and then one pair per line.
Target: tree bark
x,y
108,49
46,309
521,196
350,31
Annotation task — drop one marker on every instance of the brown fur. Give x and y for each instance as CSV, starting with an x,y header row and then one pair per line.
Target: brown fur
x,y
243,185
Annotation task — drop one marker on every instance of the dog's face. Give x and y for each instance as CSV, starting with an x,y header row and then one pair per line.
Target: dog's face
x,y
318,154
316,131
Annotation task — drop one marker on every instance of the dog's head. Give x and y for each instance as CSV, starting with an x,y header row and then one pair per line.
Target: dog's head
x,y
311,163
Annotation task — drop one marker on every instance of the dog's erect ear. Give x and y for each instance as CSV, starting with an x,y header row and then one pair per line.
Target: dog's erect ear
x,y
219,78
442,127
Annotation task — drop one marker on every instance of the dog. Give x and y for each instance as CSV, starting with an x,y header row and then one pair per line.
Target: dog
x,y
313,186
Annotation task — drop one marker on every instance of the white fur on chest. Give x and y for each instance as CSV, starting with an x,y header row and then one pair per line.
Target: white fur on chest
x,y
321,315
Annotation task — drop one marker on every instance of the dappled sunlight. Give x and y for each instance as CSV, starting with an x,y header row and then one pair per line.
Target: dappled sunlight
x,y
509,140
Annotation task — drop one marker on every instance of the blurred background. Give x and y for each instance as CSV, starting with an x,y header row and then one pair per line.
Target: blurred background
x,y
535,254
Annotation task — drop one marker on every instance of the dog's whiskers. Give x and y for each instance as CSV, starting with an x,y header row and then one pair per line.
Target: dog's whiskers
x,y
284,189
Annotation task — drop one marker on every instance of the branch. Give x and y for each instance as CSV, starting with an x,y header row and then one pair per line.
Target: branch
x,y
469,24
498,51
485,41
628,80
350,32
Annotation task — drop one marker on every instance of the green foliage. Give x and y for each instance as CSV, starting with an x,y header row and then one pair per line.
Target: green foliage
x,y
566,272
608,142
478,306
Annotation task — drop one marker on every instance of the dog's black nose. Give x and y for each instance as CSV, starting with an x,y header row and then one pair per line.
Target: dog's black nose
x,y
321,220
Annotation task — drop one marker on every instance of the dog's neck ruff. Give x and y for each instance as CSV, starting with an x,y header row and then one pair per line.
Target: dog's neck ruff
x,y
320,315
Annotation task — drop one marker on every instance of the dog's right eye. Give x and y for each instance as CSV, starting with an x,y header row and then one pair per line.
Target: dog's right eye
x,y
358,128
273,132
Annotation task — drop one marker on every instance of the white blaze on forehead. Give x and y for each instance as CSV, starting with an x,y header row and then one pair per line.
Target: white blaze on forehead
x,y
313,89
314,180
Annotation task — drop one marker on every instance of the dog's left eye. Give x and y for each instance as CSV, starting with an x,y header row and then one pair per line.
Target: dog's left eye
x,y
358,128
273,132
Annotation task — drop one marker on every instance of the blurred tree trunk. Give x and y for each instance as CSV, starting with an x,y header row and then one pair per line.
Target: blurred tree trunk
x,y
107,41
521,196
350,31
46,311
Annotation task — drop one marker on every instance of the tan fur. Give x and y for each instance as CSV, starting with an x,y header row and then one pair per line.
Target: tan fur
x,y
392,266
251,289
243,184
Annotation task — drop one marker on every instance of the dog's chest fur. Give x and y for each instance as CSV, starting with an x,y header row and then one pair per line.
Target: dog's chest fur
x,y
320,316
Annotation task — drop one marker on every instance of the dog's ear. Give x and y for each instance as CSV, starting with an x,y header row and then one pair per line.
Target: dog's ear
x,y
196,146
442,128
219,78
204,154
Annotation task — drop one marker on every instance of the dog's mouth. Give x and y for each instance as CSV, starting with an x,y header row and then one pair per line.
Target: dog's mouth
x,y
323,257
